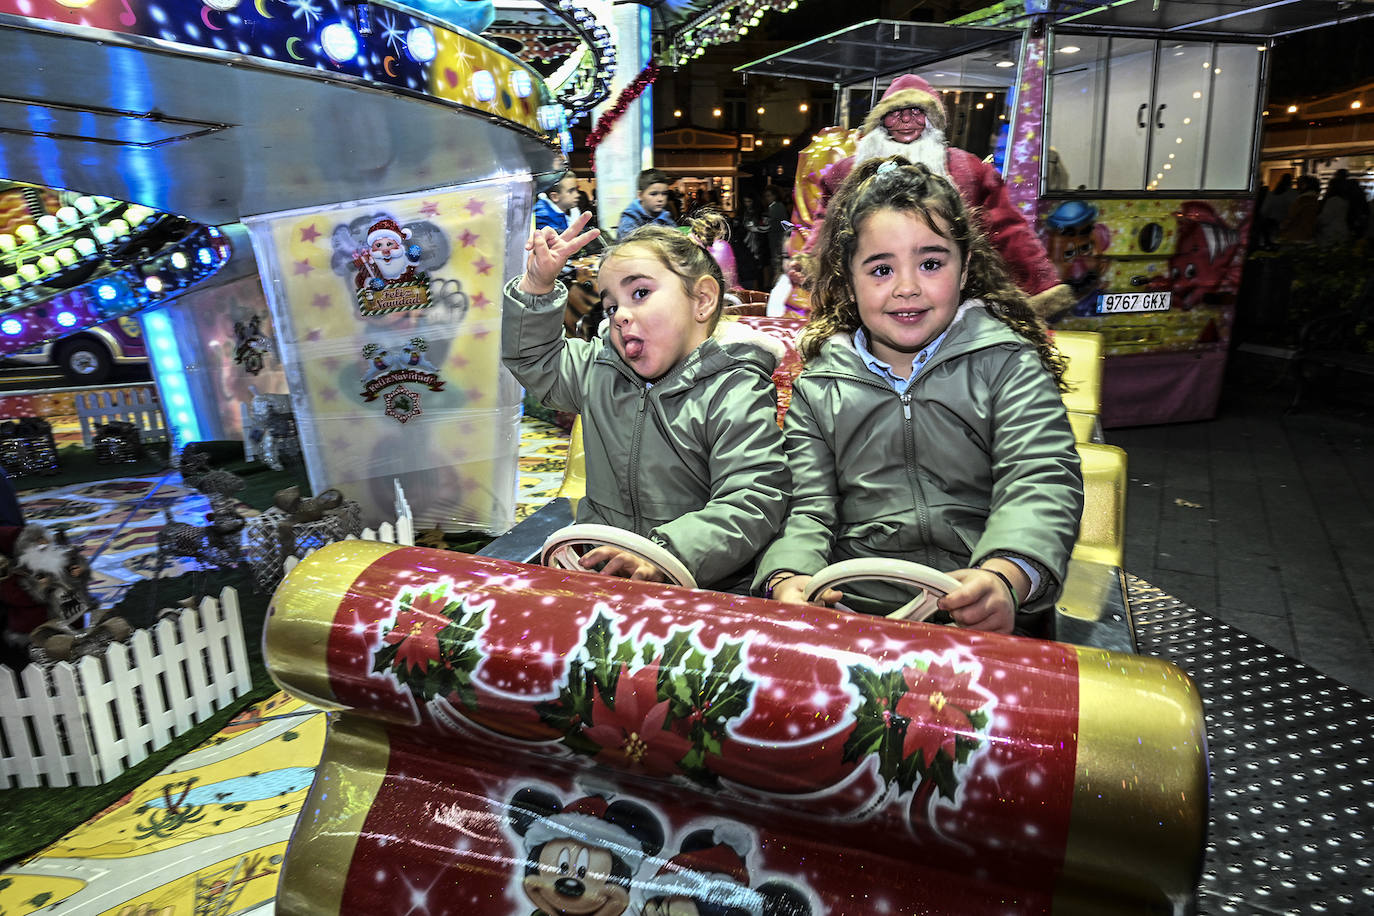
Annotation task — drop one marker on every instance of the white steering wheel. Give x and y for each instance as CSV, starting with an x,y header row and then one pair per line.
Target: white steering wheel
x,y
559,550
932,583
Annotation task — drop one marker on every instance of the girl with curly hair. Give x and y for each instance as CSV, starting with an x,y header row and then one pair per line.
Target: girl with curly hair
x,y
927,424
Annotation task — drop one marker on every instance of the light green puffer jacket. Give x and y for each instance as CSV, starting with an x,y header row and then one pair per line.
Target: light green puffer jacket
x,y
976,459
693,462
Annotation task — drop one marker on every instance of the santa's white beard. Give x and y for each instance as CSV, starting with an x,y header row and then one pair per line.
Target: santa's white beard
x,y
391,267
929,149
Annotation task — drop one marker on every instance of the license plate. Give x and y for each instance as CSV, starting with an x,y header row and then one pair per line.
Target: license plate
x,y
1112,303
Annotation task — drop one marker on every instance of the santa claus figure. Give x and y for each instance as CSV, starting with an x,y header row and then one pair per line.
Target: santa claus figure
x,y
387,258
909,121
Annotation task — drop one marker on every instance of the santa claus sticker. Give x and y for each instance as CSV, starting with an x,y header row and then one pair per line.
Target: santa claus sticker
x,y
388,278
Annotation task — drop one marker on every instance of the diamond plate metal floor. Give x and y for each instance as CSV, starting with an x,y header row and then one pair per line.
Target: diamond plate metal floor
x,y
1291,826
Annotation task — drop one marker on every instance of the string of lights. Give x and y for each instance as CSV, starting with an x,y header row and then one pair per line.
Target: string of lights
x,y
96,259
724,22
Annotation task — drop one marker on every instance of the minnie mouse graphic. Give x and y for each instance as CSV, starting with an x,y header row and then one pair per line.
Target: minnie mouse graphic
x,y
708,877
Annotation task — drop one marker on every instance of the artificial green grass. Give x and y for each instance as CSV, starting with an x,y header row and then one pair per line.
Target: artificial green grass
x,y
260,482
31,819
78,465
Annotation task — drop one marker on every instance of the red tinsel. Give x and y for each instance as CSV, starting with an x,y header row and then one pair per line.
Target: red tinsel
x,y
622,104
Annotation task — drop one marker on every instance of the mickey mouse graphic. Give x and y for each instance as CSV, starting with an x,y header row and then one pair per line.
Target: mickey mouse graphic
x,y
708,877
581,858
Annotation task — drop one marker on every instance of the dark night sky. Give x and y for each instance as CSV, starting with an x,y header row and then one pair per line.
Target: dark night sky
x,y
1323,60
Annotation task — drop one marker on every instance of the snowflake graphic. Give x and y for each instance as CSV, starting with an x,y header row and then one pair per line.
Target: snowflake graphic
x,y
391,31
402,403
306,10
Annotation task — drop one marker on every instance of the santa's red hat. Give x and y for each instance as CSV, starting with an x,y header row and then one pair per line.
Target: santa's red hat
x,y
907,91
585,821
387,228
714,874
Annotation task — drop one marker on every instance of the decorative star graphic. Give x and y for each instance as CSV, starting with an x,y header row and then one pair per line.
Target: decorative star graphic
x,y
314,334
474,395
480,333
321,301
329,395
402,403
482,265
301,267
467,239
310,233
475,207
464,55
429,208
480,301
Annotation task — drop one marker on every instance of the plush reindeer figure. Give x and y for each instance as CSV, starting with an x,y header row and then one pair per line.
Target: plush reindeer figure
x,y
302,510
216,544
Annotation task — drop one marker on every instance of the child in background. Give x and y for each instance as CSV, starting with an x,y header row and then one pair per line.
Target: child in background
x,y
651,206
927,424
679,426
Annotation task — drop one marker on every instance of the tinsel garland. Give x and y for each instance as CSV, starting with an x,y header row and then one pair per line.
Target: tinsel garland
x,y
622,104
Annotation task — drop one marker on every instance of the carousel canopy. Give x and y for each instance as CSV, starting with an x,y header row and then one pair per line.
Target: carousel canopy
x,y
880,47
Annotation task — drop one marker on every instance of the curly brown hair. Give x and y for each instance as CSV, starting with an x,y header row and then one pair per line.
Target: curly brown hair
x,y
686,254
912,189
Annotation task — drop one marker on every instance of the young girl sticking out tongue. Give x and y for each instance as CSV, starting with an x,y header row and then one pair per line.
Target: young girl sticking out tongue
x,y
927,423
679,421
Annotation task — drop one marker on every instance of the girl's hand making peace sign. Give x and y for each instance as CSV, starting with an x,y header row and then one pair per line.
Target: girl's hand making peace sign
x,y
550,251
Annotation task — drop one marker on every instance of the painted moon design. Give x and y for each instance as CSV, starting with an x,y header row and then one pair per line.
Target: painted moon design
x,y
291,49
205,12
386,65
259,5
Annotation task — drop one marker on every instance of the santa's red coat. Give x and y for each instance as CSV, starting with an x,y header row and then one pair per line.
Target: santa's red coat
x,y
23,612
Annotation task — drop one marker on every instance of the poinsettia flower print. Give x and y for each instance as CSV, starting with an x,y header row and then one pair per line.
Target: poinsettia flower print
x,y
631,733
937,703
416,632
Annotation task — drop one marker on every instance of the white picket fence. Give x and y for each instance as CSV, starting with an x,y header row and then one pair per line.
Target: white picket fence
x,y
85,723
405,519
138,407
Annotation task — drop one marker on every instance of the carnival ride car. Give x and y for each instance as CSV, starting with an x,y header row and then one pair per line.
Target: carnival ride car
x,y
74,267
806,747
87,357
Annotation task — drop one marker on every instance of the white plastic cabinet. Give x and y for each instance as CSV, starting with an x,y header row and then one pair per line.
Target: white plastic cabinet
x,y
1130,114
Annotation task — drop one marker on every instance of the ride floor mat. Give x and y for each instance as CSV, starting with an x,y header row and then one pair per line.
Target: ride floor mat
x,y
543,458
206,835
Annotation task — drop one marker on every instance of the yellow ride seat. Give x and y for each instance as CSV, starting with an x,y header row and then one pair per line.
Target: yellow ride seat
x,y
1083,352
1102,535
575,473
